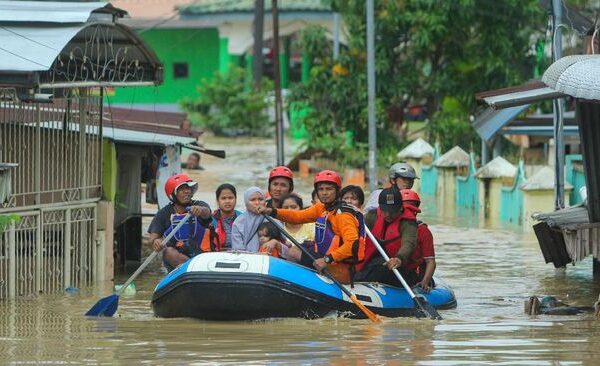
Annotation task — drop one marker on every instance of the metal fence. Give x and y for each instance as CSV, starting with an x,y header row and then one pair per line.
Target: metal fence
x,y
49,250
53,190
57,147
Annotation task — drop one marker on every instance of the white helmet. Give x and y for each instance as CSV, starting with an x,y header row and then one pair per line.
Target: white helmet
x,y
403,170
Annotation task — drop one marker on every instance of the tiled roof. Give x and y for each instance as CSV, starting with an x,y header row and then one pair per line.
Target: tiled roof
x,y
244,6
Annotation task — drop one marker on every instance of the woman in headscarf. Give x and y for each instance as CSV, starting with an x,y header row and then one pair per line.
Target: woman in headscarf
x,y
245,227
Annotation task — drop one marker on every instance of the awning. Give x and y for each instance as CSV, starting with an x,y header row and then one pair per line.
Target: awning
x,y
488,123
58,45
518,95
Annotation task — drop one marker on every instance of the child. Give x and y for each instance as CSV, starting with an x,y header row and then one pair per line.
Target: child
x,y
270,240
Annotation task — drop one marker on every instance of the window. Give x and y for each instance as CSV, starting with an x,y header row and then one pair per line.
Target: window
x,y
180,70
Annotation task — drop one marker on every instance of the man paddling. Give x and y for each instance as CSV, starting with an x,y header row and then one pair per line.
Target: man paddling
x,y
395,228
339,238
187,242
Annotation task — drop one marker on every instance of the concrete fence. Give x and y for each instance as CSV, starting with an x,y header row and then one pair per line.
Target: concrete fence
x,y
498,191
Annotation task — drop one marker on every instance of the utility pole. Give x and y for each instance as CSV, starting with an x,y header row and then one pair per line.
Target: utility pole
x,y
277,82
558,108
336,35
257,60
371,95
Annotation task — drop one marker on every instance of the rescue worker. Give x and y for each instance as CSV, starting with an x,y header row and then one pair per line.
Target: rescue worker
x,y
339,234
188,240
402,175
395,228
423,258
281,182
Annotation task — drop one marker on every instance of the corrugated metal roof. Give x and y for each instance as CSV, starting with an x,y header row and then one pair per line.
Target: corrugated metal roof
x,y
33,48
56,11
488,123
455,157
543,179
246,6
416,150
34,35
575,75
497,168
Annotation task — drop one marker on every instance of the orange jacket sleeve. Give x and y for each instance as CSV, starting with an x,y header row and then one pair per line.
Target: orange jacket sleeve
x,y
309,214
345,225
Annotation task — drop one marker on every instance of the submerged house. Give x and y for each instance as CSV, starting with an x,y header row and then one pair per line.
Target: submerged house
x,y
56,59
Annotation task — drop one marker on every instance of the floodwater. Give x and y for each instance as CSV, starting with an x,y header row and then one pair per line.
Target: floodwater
x,y
492,272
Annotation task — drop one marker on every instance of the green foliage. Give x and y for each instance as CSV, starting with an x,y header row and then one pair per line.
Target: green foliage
x,y
227,106
451,127
5,220
432,53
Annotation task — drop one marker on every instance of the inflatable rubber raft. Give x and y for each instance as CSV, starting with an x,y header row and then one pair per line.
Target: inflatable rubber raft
x,y
245,286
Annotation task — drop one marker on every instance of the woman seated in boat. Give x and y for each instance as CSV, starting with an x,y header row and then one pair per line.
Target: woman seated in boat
x,y
423,258
225,215
303,233
244,233
270,240
395,228
354,196
339,239
188,240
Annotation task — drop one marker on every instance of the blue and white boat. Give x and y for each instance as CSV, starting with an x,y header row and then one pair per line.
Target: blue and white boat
x,y
245,286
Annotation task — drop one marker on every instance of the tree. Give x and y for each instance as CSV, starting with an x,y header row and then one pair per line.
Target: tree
x,y
426,51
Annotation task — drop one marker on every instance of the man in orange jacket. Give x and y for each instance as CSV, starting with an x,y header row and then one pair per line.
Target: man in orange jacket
x,y
339,237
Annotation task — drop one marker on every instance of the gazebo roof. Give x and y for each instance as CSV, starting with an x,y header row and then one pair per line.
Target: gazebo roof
x,y
61,45
497,168
453,158
416,150
543,179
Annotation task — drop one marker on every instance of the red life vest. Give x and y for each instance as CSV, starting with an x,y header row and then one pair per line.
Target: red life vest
x,y
387,234
220,230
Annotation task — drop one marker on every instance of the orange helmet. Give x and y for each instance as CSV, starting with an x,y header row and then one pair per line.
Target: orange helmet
x,y
282,172
328,176
176,181
410,195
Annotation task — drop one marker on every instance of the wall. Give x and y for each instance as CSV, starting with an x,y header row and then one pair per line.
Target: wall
x,y
198,47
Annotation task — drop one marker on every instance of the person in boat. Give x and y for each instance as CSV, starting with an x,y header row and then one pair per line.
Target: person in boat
x,y
281,182
402,175
270,240
187,242
244,232
225,215
423,258
354,196
338,229
395,228
192,162
301,232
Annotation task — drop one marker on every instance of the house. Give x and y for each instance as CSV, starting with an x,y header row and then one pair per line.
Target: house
x,y
56,59
195,39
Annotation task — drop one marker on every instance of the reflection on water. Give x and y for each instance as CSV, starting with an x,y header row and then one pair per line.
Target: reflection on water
x,y
492,272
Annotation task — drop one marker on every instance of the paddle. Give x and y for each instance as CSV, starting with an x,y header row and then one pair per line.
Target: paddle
x,y
371,315
421,302
217,153
107,306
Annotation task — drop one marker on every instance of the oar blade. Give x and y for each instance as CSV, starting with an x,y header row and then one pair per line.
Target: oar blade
x,y
371,315
106,306
426,308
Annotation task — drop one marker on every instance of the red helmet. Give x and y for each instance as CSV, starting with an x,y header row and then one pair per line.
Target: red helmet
x,y
282,172
176,181
410,195
328,176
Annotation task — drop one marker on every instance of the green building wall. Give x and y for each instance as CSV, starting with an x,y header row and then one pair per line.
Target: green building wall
x,y
199,48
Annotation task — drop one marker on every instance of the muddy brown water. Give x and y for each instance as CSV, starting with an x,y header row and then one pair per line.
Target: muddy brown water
x,y
492,272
